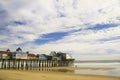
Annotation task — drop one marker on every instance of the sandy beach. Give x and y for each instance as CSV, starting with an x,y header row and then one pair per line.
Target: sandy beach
x,y
41,75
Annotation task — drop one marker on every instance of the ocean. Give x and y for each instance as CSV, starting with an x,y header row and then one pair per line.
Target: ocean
x,y
113,68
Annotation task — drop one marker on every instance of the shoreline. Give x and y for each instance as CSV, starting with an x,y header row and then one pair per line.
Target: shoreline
x,y
79,68
48,75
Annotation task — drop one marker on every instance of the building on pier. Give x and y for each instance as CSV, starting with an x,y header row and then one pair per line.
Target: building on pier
x,y
31,56
5,54
19,54
61,56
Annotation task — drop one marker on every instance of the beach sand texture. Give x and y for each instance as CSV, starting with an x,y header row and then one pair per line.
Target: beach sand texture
x,y
41,75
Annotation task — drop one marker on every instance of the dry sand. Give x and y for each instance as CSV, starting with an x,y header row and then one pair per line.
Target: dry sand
x,y
40,75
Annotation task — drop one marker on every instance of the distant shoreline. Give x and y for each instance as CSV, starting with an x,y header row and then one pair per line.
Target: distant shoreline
x,y
94,61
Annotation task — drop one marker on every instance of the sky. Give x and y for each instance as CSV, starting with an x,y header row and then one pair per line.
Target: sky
x,y
87,29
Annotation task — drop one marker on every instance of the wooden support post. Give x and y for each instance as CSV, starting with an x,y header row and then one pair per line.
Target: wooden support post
x,y
2,64
26,66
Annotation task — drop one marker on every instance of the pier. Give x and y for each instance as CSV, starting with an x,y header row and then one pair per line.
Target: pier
x,y
32,64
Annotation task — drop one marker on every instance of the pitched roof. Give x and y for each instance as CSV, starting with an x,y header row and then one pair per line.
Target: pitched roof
x,y
8,50
19,49
4,52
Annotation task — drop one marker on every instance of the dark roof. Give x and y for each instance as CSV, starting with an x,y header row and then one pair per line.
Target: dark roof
x,y
19,49
8,50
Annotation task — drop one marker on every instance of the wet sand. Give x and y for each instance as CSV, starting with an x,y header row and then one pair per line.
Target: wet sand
x,y
81,68
41,75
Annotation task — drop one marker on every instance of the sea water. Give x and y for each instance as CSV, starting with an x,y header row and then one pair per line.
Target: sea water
x,y
113,68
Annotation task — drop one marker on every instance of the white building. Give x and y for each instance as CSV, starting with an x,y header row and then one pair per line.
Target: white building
x,y
19,54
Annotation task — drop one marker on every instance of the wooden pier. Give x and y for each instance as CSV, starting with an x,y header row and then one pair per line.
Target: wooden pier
x,y
32,64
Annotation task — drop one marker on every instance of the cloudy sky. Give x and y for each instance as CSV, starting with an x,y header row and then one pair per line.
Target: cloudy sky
x,y
87,29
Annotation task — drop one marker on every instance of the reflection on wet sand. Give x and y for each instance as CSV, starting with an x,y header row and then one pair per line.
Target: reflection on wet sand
x,y
56,70
80,70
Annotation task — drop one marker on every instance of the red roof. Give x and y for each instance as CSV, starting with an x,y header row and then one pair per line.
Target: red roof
x,y
31,55
4,52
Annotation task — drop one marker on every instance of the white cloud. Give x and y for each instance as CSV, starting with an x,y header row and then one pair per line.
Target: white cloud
x,y
48,16
93,35
87,43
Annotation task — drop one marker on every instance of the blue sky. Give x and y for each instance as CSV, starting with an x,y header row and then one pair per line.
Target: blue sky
x,y
102,26
85,29
51,37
